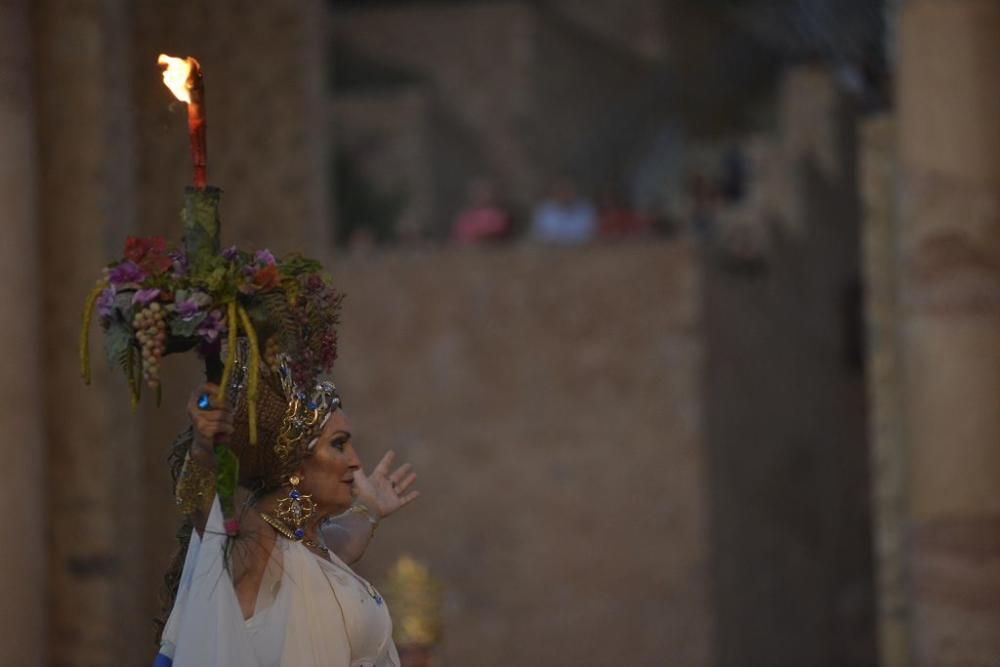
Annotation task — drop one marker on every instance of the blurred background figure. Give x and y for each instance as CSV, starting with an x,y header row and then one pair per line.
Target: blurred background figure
x,y
564,216
616,219
416,599
484,219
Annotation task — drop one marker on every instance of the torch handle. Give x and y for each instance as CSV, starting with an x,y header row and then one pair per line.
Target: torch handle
x,y
196,126
196,130
213,367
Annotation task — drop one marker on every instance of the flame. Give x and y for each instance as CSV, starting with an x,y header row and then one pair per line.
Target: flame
x,y
176,75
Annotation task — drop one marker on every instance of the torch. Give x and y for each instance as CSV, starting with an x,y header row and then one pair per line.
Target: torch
x,y
183,77
201,243
201,203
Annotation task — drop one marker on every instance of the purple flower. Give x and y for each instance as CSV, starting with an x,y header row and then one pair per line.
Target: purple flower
x,y
106,302
264,257
231,253
186,309
144,296
124,273
189,307
212,326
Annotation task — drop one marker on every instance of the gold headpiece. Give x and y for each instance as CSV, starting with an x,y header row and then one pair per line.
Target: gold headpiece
x,y
415,603
288,420
306,415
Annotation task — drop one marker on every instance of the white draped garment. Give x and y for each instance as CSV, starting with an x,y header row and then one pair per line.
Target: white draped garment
x,y
310,612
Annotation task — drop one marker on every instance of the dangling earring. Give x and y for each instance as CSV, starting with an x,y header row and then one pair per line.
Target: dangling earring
x,y
296,508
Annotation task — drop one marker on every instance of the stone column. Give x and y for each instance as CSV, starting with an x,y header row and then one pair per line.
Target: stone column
x,y
949,278
92,490
22,482
888,458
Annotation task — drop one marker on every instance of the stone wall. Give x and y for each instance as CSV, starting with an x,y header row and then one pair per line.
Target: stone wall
x,y
386,138
22,475
785,406
551,401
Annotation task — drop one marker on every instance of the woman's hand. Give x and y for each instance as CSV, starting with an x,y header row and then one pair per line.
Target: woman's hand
x,y
385,492
208,423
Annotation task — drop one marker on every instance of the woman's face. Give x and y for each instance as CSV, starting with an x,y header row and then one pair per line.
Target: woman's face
x,y
328,474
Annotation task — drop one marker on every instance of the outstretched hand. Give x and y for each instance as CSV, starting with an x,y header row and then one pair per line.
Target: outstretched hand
x,y
385,492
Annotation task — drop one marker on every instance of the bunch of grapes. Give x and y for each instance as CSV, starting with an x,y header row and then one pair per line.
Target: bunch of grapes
x,y
151,332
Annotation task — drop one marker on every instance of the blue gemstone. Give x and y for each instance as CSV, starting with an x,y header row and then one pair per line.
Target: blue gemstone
x,y
299,534
311,405
204,403
294,495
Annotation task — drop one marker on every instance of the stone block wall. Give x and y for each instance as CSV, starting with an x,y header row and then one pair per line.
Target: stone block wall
x,y
551,401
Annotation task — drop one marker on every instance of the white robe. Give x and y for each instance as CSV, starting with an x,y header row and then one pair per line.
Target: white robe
x,y
309,612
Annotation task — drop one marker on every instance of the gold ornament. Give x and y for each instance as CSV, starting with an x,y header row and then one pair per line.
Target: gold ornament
x,y
296,508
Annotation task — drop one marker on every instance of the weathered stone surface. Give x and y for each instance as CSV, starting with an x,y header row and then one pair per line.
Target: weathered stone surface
x,y
949,276
22,481
878,180
785,437
551,401
81,202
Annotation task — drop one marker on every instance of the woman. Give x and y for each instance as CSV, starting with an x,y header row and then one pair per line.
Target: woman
x,y
281,592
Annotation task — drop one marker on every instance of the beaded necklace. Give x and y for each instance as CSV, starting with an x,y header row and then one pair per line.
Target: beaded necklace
x,y
287,533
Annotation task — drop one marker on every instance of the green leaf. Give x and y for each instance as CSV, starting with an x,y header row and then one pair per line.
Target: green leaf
x,y
186,328
123,304
201,226
117,338
215,280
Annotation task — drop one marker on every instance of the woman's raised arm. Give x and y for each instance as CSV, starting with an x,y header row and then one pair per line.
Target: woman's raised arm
x,y
376,496
195,488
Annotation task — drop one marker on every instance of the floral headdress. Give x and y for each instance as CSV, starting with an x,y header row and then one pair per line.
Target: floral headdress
x,y
158,299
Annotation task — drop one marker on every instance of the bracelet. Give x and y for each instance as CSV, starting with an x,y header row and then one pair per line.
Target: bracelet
x,y
195,485
361,508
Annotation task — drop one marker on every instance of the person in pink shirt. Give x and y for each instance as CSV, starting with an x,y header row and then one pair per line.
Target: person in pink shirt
x,y
484,219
